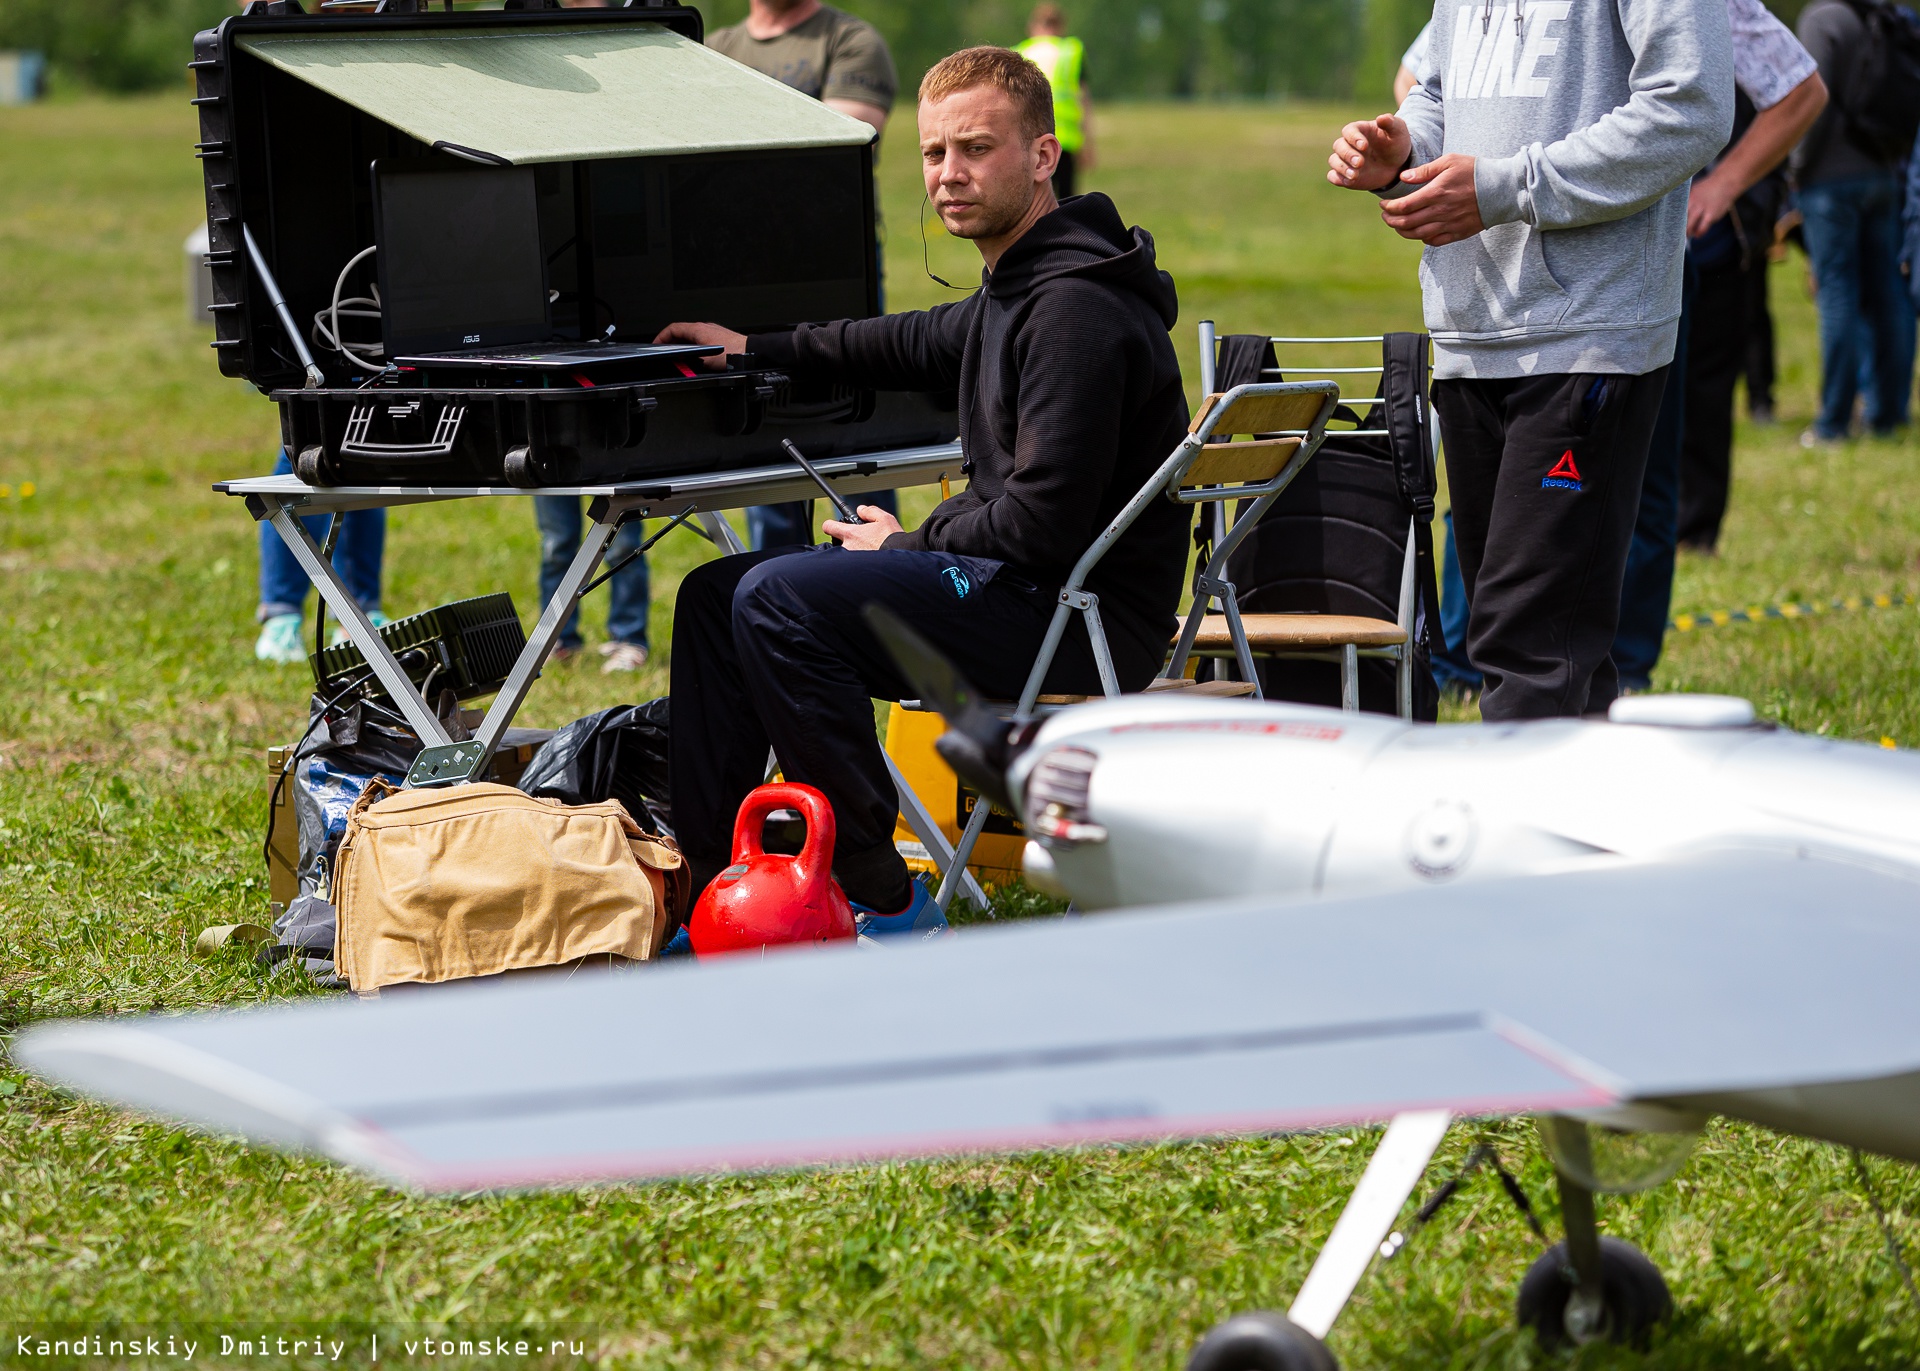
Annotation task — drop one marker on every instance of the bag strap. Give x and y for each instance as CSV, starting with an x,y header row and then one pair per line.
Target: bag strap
x,y
1405,362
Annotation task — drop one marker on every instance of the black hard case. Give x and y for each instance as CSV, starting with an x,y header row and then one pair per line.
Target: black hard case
x,y
294,163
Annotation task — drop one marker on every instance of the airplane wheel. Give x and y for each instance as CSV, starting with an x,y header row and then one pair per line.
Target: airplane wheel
x,y
1633,1296
1261,1342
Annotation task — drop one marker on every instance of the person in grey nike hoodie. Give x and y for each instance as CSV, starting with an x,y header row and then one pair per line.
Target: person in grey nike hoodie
x,y
1545,162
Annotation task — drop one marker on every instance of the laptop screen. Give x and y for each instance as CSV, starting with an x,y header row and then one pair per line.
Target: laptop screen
x,y
460,263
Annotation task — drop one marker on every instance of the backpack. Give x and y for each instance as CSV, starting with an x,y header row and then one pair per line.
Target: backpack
x,y
1335,541
1881,98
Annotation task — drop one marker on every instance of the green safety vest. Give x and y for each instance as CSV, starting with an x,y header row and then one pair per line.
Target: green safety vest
x,y
1061,59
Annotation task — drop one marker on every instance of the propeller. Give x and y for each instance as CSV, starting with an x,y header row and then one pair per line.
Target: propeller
x,y
978,743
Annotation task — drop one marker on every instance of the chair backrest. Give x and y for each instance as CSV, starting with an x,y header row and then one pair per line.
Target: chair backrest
x,y
1343,536
1274,419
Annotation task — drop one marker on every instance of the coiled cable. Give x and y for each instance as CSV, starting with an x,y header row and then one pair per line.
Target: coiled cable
x,y
326,323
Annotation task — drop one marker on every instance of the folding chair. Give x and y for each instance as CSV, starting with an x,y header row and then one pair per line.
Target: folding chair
x,y
1347,501
1290,419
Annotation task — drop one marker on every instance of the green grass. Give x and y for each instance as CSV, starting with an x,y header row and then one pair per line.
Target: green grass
x,y
132,720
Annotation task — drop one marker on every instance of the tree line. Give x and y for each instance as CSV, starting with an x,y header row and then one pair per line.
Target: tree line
x,y
1136,49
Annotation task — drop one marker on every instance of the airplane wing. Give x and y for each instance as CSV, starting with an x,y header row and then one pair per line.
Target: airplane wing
x,y
1759,985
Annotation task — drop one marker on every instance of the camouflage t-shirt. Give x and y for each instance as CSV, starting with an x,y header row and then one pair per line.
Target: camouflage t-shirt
x,y
830,56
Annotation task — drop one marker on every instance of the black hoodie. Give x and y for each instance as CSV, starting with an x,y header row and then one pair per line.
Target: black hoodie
x,y
1070,399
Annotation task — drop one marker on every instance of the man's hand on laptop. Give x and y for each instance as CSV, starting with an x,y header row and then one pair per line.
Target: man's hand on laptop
x,y
707,335
866,536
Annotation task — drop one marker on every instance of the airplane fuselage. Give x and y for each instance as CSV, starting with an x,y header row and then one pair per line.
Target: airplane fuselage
x,y
1201,799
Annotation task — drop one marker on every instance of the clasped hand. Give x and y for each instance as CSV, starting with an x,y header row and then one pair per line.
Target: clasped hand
x,y
867,536
1370,153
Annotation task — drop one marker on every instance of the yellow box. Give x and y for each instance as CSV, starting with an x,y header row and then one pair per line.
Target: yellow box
x,y
996,857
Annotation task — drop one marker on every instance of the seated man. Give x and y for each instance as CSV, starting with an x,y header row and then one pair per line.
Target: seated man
x,y
1070,398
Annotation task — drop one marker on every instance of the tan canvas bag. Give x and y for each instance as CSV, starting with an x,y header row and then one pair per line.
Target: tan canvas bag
x,y
474,880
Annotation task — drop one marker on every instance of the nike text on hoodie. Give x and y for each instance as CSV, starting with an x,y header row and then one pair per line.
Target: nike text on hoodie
x,y
1586,118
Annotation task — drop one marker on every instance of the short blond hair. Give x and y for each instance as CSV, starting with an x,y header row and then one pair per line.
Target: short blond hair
x,y
1004,70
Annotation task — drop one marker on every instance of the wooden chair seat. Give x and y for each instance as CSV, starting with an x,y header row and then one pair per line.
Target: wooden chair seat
x,y
1298,632
1221,690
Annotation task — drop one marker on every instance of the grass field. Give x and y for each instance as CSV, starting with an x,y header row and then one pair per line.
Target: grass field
x,y
132,721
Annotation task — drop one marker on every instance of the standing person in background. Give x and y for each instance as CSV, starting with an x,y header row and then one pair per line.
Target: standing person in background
x,y
1544,163
1064,60
1731,215
1732,208
284,583
1415,66
1850,192
1910,228
629,593
1759,367
843,63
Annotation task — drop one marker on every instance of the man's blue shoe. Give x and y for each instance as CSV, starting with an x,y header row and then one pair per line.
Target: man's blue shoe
x,y
922,919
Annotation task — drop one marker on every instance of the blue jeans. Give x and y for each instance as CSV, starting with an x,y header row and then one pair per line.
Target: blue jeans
x,y
1866,316
791,524
356,557
630,592
1450,664
1646,595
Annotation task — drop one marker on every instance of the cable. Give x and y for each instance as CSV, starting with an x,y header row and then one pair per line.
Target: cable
x,y
613,570
320,607
326,323
293,755
926,263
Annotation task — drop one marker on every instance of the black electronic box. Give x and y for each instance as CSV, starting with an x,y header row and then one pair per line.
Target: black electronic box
x,y
429,309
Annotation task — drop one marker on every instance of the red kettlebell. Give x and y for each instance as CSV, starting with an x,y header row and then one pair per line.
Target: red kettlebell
x,y
766,898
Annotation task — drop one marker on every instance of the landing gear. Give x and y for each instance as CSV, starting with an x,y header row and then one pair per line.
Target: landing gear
x,y
1261,1342
1633,1298
1291,1341
1589,1287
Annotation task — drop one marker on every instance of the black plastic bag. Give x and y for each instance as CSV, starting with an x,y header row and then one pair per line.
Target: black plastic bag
x,y
306,931
617,754
331,770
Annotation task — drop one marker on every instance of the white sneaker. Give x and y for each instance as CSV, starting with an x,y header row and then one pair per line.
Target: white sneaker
x,y
623,657
280,641
339,634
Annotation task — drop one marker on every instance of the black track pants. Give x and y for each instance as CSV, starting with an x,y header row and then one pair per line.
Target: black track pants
x,y
770,649
1545,474
1717,353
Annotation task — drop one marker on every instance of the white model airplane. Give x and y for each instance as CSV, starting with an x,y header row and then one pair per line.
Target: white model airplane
x,y
1695,948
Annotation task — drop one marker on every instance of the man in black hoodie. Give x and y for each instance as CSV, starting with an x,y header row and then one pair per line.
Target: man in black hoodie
x,y
1070,398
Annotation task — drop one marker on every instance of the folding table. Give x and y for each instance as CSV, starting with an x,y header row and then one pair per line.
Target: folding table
x,y
283,500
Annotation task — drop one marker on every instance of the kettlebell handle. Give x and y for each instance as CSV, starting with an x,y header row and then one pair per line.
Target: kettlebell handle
x,y
815,861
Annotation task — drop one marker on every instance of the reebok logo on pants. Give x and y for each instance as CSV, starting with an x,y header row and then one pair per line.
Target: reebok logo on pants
x,y
1564,476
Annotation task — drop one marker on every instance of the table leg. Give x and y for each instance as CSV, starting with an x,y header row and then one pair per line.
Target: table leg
x,y
360,629
914,810
526,668
720,532
962,854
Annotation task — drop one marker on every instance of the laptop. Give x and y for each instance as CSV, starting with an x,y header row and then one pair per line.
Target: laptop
x,y
463,280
